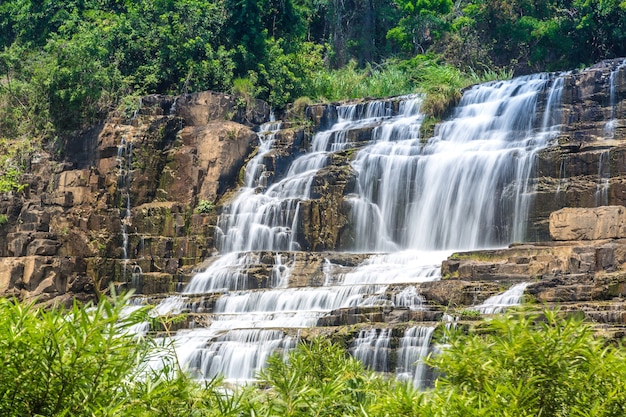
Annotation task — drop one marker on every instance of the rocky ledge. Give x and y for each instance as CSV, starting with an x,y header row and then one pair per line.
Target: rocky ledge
x,y
582,269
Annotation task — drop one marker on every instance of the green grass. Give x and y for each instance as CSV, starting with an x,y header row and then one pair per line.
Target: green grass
x,y
440,83
351,82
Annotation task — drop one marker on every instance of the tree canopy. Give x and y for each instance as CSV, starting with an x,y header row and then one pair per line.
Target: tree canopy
x,y
66,63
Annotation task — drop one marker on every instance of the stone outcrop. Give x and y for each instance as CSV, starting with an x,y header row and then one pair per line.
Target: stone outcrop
x,y
585,168
607,222
583,272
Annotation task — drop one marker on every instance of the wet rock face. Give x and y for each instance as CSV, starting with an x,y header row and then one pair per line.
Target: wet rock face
x,y
585,167
581,272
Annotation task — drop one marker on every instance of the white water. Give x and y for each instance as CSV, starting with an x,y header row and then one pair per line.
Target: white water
x,y
500,302
604,168
124,160
604,177
467,187
418,201
372,348
410,298
612,124
414,348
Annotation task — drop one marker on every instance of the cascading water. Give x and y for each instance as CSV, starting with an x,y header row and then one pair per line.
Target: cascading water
x,y
265,220
611,125
417,201
466,188
500,302
372,348
414,348
604,177
604,168
125,161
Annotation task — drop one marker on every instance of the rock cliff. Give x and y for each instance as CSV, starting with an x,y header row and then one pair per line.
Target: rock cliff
x,y
122,204
135,201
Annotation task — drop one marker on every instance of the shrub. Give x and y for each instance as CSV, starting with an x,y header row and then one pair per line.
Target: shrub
x,y
317,379
64,362
524,364
300,105
204,207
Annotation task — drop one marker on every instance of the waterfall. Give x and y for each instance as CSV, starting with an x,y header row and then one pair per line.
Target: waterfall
x,y
604,177
604,168
124,160
415,201
467,187
372,348
414,348
611,125
237,354
500,302
408,297
264,219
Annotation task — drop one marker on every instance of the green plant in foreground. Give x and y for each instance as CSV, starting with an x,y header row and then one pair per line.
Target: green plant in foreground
x,y
63,362
468,314
524,364
4,219
317,379
85,361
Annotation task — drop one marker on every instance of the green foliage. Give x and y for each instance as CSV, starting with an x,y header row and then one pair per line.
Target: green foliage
x,y
300,105
317,379
14,158
64,64
441,83
85,361
4,219
467,314
61,362
287,74
524,364
421,22
205,207
351,82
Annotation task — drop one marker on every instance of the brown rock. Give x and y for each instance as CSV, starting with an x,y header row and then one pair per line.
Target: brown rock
x,y
219,151
607,222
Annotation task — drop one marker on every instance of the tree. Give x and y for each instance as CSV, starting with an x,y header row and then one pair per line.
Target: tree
x,y
421,22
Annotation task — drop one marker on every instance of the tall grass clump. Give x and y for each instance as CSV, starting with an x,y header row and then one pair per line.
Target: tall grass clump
x,y
351,82
441,83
